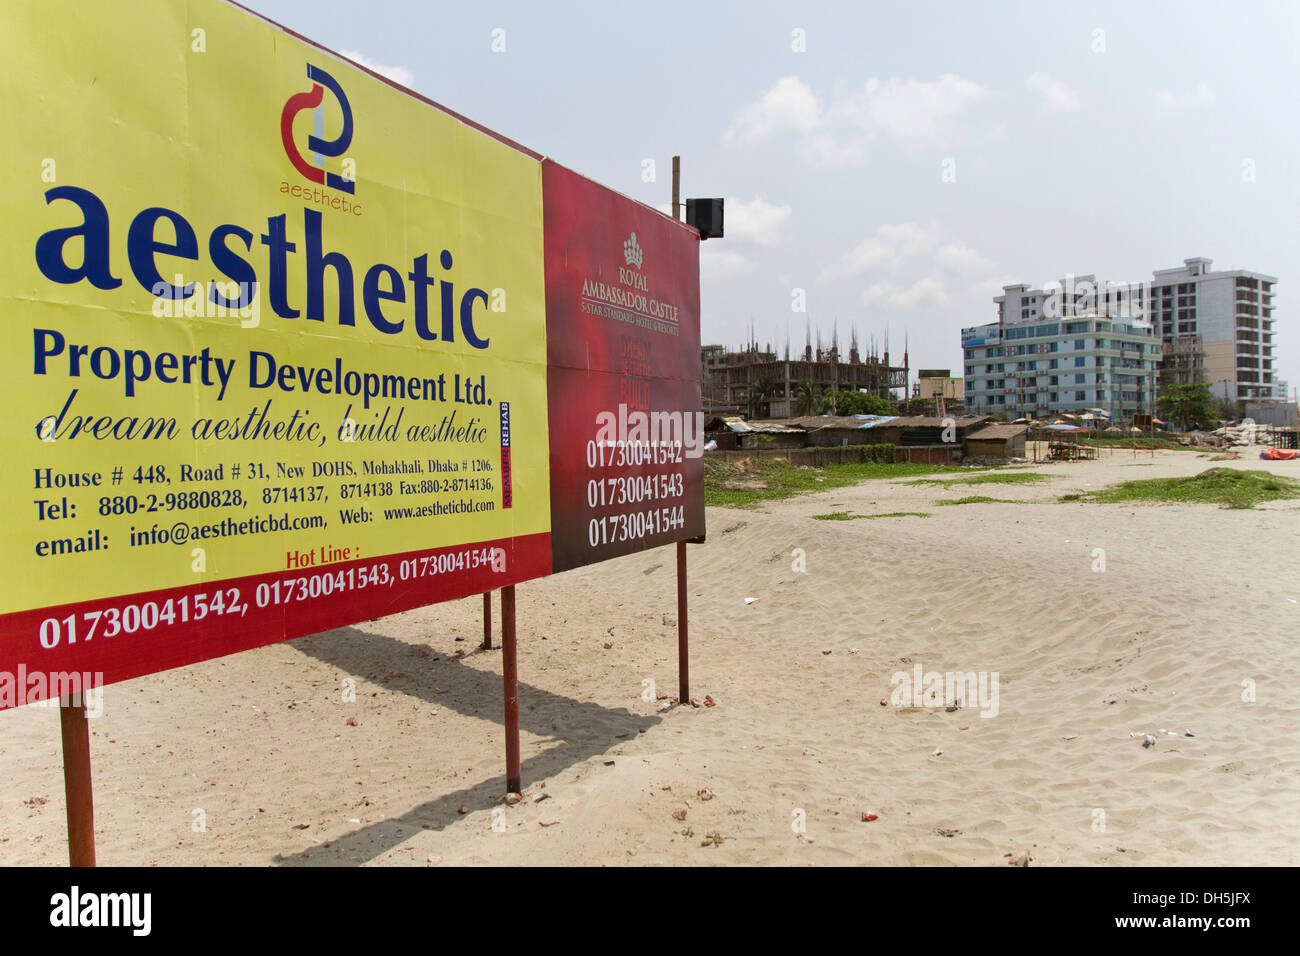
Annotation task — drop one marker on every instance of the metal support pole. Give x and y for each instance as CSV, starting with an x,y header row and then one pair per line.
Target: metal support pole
x,y
487,621
677,187
683,654
76,784
510,668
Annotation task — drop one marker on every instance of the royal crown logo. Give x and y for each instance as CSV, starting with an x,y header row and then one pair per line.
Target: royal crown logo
x,y
632,252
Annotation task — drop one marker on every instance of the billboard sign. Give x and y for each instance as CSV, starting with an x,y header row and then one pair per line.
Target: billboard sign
x,y
981,335
282,350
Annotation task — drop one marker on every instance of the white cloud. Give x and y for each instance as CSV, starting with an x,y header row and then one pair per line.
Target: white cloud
x,y
1175,102
755,221
398,74
895,244
912,112
824,149
891,244
959,257
909,265
719,263
1056,96
927,290
908,112
789,105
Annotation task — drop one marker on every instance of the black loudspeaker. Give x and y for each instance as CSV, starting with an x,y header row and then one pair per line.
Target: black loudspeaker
x,y
706,216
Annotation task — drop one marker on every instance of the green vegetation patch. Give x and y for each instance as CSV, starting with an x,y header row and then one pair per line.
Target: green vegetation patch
x,y
750,481
1226,487
986,478
845,516
980,500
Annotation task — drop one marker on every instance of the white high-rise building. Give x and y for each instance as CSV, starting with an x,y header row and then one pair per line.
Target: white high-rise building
x,y
1088,344
1217,328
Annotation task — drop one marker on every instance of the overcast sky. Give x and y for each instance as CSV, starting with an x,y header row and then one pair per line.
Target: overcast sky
x,y
898,163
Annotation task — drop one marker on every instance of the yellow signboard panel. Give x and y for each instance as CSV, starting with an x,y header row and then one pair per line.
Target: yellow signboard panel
x,y
266,320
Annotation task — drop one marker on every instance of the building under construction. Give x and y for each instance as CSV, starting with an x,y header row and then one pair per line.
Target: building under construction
x,y
758,383
1184,362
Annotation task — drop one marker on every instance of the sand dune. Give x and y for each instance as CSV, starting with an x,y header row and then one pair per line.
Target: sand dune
x,y
1193,601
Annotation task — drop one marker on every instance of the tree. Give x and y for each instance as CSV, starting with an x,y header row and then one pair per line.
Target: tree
x,y
1186,403
1228,409
918,406
809,397
858,403
759,393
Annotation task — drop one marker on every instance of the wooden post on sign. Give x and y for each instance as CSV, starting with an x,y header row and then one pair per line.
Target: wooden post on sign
x,y
677,187
76,783
683,654
510,670
683,666
487,621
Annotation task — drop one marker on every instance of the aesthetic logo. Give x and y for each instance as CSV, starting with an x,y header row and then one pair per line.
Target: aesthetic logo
x,y
632,252
319,147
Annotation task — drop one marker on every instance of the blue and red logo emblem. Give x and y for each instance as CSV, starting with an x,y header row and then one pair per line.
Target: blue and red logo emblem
x,y
316,144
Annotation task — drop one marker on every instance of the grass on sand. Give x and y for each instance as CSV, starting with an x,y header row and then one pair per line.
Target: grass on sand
x,y
846,516
989,478
980,500
1226,487
751,481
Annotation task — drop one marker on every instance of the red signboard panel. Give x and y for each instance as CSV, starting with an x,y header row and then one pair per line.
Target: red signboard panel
x,y
623,373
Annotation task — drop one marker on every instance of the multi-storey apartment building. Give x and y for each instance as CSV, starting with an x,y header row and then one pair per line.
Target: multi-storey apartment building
x,y
1216,328
1187,325
1062,351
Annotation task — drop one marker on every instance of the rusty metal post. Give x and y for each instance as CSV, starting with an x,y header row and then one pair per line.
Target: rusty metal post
x,y
487,621
683,655
677,187
76,784
510,669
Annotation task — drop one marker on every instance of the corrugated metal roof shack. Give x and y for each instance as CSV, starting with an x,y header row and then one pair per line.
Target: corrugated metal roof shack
x,y
997,441
825,431
916,438
767,434
920,438
925,430
716,430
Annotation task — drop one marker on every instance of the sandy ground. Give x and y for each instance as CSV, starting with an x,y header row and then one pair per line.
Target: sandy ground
x,y
254,759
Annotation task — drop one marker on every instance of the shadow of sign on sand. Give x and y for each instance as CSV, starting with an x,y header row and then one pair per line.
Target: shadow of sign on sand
x,y
583,729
